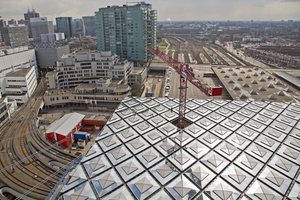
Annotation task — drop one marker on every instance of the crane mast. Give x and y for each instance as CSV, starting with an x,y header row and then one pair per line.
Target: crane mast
x,y
186,74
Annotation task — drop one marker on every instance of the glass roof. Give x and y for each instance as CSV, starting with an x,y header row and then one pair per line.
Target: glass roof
x,y
229,150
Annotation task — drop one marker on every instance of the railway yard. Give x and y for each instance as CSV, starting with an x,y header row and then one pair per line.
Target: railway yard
x,y
201,56
25,169
193,51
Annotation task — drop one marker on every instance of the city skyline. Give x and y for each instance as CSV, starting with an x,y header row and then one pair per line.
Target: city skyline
x,y
190,10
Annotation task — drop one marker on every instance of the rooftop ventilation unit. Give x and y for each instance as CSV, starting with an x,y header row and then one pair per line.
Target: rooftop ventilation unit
x,y
253,92
243,96
262,89
281,93
246,85
262,80
288,90
270,85
236,88
272,97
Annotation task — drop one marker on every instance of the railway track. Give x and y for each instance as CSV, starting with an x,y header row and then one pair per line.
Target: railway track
x,y
212,54
25,154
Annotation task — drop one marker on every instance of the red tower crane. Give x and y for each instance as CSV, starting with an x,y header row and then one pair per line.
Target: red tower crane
x,y
186,74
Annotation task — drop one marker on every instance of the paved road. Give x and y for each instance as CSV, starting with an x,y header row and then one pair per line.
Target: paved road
x,y
192,92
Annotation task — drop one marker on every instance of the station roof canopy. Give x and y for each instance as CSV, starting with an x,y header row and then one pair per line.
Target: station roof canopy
x,y
290,78
65,124
228,150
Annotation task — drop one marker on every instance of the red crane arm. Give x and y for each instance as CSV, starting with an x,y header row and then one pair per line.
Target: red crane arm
x,y
187,72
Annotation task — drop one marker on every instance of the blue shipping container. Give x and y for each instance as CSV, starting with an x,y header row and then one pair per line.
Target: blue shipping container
x,y
82,135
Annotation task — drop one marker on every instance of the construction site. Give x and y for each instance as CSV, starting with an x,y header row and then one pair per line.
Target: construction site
x,y
209,112
184,148
31,165
229,150
25,154
208,124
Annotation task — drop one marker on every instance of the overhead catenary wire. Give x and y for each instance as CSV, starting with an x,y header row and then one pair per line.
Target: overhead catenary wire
x,y
16,161
44,180
11,138
19,162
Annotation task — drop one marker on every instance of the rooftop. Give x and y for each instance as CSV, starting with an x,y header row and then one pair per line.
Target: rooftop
x,y
95,117
19,73
255,84
65,124
14,25
136,71
114,85
50,45
290,78
231,150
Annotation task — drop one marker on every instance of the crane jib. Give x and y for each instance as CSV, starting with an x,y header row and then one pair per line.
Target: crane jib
x,y
186,73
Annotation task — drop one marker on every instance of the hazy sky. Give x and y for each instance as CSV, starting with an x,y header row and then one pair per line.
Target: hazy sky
x,y
167,9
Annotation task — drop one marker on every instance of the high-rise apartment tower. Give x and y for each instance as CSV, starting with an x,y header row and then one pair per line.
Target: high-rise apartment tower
x,y
90,25
127,30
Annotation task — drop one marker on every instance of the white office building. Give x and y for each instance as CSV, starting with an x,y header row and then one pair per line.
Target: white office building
x,y
20,84
88,67
105,91
7,108
13,60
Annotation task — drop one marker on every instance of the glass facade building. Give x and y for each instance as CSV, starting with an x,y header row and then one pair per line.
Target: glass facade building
x,y
90,25
64,25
